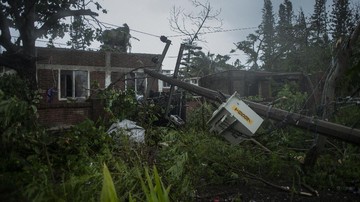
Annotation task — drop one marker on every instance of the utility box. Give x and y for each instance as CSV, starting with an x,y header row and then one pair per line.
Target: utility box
x,y
235,120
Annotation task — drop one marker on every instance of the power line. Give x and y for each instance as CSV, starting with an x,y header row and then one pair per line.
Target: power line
x,y
180,35
218,31
158,36
56,43
138,31
141,32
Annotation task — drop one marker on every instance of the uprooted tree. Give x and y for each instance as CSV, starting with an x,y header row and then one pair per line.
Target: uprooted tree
x,y
341,63
117,40
22,22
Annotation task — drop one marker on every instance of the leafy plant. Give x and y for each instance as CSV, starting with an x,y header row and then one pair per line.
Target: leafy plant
x,y
13,86
197,118
108,192
290,98
154,192
123,105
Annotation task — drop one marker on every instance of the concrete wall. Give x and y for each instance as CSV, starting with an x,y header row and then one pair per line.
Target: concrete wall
x,y
251,83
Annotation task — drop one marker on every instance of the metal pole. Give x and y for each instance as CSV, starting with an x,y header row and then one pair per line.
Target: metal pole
x,y
158,67
176,71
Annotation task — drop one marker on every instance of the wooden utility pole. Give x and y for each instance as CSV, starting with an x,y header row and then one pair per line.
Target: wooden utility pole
x,y
159,64
325,128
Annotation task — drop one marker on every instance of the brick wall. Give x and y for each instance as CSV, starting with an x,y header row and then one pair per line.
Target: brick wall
x,y
70,57
63,114
132,60
66,114
51,60
99,77
118,76
47,79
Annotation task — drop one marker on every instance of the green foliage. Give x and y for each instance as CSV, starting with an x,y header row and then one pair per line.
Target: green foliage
x,y
117,101
13,86
154,192
17,117
251,49
334,172
43,10
116,40
123,105
196,160
290,98
81,33
199,116
108,192
70,165
302,44
341,19
319,36
202,64
267,29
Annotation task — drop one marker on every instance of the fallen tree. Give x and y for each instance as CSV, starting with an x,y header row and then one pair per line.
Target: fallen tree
x,y
325,128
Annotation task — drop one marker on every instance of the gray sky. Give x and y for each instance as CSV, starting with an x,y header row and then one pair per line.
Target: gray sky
x,y
152,16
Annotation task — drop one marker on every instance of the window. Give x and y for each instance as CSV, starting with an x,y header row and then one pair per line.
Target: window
x,y
166,85
74,84
5,70
136,81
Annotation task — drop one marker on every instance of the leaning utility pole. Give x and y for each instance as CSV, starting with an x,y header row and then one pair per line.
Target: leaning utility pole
x,y
167,42
325,128
175,75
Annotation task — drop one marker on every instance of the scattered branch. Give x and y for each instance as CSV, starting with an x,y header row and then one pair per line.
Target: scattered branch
x,y
260,145
5,37
282,188
191,24
57,16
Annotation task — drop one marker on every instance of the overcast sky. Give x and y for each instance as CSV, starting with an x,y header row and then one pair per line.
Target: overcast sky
x,y
152,16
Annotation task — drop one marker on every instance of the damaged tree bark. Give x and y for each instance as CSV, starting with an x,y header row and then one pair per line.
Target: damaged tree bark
x,y
340,64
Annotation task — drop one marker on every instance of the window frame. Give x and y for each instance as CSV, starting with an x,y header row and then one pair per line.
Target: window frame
x,y
87,92
167,84
143,76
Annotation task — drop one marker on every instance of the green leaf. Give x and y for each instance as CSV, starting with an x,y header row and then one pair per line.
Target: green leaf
x,y
157,192
108,192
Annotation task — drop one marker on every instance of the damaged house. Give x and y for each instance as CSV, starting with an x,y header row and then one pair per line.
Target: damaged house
x,y
256,83
67,79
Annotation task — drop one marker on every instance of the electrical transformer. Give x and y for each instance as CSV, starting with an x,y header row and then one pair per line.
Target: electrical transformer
x,y
234,120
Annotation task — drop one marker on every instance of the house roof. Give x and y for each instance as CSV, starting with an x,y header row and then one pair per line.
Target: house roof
x,y
255,73
61,56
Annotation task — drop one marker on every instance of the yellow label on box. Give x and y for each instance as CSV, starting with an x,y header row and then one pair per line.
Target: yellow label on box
x,y
242,114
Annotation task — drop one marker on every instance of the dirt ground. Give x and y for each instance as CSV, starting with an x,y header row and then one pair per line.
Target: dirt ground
x,y
265,193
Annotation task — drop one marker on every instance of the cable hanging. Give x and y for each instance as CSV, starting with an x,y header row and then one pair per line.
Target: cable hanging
x,y
218,31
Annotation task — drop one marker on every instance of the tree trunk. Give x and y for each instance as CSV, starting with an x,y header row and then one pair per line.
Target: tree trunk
x,y
29,74
338,67
24,66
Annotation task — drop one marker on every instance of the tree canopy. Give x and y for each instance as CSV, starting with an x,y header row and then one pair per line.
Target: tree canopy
x,y
116,39
22,22
294,42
